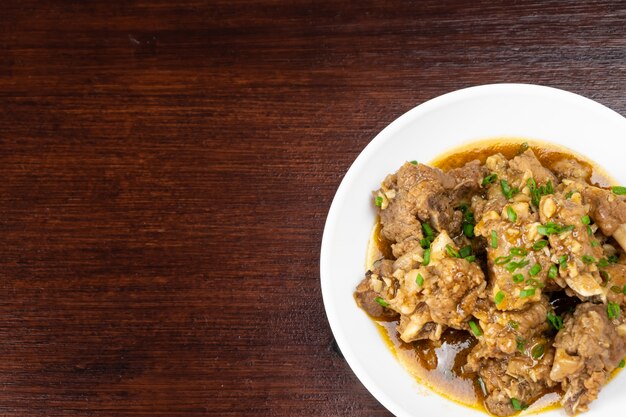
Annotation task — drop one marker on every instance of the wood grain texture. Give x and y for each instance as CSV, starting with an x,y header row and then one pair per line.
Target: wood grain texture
x,y
167,168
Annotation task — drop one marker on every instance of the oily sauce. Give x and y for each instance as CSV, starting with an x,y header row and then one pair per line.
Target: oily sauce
x,y
439,365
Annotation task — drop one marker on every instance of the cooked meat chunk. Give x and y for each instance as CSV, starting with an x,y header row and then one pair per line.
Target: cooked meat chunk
x,y
507,332
451,289
513,378
418,193
608,211
366,299
588,349
517,272
572,244
528,164
571,169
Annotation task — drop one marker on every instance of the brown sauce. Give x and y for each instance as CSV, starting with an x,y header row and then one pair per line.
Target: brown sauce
x,y
439,365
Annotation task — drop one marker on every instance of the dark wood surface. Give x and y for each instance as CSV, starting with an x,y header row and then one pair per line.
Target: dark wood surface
x,y
166,169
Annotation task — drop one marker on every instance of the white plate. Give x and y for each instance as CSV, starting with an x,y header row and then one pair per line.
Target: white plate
x,y
423,133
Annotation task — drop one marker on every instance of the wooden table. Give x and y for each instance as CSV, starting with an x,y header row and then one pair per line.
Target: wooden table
x,y
167,169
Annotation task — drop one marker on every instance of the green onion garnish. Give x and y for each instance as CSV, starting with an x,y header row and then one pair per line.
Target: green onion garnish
x,y
534,270
426,257
569,195
551,228
465,251
612,310
553,272
619,190
475,328
586,220
419,280
414,162
517,278
490,179
501,260
616,289
513,324
381,302
527,293
506,189
595,243
537,351
621,363
428,231
494,239
613,259
517,406
468,230
540,244
452,252
555,320
519,252
425,243
563,261
589,230
499,297
512,266
379,201
589,259
512,214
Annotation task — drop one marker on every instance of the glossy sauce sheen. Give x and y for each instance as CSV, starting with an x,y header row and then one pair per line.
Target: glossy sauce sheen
x,y
440,365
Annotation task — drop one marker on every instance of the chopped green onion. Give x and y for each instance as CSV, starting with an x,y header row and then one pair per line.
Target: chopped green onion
x,y
523,147
527,293
517,406
532,184
425,243
517,278
475,328
499,297
519,252
501,260
512,266
616,289
381,302
549,187
521,343
379,201
428,231
470,258
512,214
589,259
506,189
589,231
468,230
563,261
613,259
595,243
534,283
624,290
553,272
534,270
490,179
540,244
551,228
513,324
618,190
426,257
419,280
586,220
612,310
414,162
569,195
452,252
494,239
603,263
621,363
537,352
555,320
465,251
